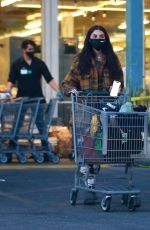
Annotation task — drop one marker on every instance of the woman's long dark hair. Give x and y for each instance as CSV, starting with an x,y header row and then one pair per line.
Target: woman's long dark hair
x,y
85,62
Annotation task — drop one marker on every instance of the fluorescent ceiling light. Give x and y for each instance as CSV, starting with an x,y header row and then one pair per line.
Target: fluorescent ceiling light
x,y
22,33
33,16
28,5
117,2
77,13
27,33
33,24
66,7
8,2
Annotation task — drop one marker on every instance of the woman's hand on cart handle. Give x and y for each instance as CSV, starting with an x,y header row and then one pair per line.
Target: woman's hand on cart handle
x,y
74,92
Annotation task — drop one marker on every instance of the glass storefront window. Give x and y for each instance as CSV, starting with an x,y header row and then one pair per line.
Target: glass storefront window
x,y
77,16
18,20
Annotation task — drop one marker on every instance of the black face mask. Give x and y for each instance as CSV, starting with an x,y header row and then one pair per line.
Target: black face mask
x,y
30,54
97,43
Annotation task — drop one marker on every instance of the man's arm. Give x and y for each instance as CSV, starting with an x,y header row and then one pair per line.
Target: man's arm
x,y
51,82
10,85
54,85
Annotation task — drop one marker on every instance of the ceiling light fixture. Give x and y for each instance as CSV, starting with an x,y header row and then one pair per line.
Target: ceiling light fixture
x,y
36,6
104,14
8,2
92,8
33,24
22,33
77,13
117,2
33,16
27,33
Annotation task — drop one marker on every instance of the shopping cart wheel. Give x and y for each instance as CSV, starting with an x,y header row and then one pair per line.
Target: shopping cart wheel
x,y
133,202
4,159
106,203
39,159
54,158
73,196
22,158
124,199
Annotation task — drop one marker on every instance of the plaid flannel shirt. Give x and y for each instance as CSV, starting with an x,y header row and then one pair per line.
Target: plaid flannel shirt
x,y
96,80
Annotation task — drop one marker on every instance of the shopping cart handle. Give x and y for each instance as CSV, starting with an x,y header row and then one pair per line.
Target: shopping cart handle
x,y
94,93
28,99
98,93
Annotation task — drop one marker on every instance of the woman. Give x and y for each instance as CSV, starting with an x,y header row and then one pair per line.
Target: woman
x,y
93,69
96,66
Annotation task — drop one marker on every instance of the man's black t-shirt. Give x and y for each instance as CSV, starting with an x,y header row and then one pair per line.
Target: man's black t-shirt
x,y
28,77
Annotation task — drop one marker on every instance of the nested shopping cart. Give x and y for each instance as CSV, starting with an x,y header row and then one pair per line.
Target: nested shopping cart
x,y
110,139
41,133
33,129
24,124
10,112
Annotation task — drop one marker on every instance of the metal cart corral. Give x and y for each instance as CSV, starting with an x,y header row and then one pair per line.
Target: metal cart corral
x,y
113,139
25,123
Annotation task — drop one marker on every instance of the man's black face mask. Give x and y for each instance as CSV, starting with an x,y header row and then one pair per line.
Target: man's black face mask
x,y
30,54
97,43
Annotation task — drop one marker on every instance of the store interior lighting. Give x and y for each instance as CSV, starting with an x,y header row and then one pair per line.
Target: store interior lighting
x,y
77,10
8,2
33,16
22,33
122,26
33,24
117,2
22,5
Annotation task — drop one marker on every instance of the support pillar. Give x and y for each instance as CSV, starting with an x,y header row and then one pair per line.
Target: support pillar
x,y
50,42
134,47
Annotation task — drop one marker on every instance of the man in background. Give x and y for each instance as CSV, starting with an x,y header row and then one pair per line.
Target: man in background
x,y
26,73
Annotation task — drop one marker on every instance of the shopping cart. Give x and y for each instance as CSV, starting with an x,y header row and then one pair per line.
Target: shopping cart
x,y
40,137
25,128
108,138
9,117
33,129
24,125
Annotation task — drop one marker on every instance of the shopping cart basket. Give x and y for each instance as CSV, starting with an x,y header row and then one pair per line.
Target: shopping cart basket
x,y
43,122
25,129
108,138
9,118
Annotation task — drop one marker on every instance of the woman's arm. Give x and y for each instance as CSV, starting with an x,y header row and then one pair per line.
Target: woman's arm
x,y
71,80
